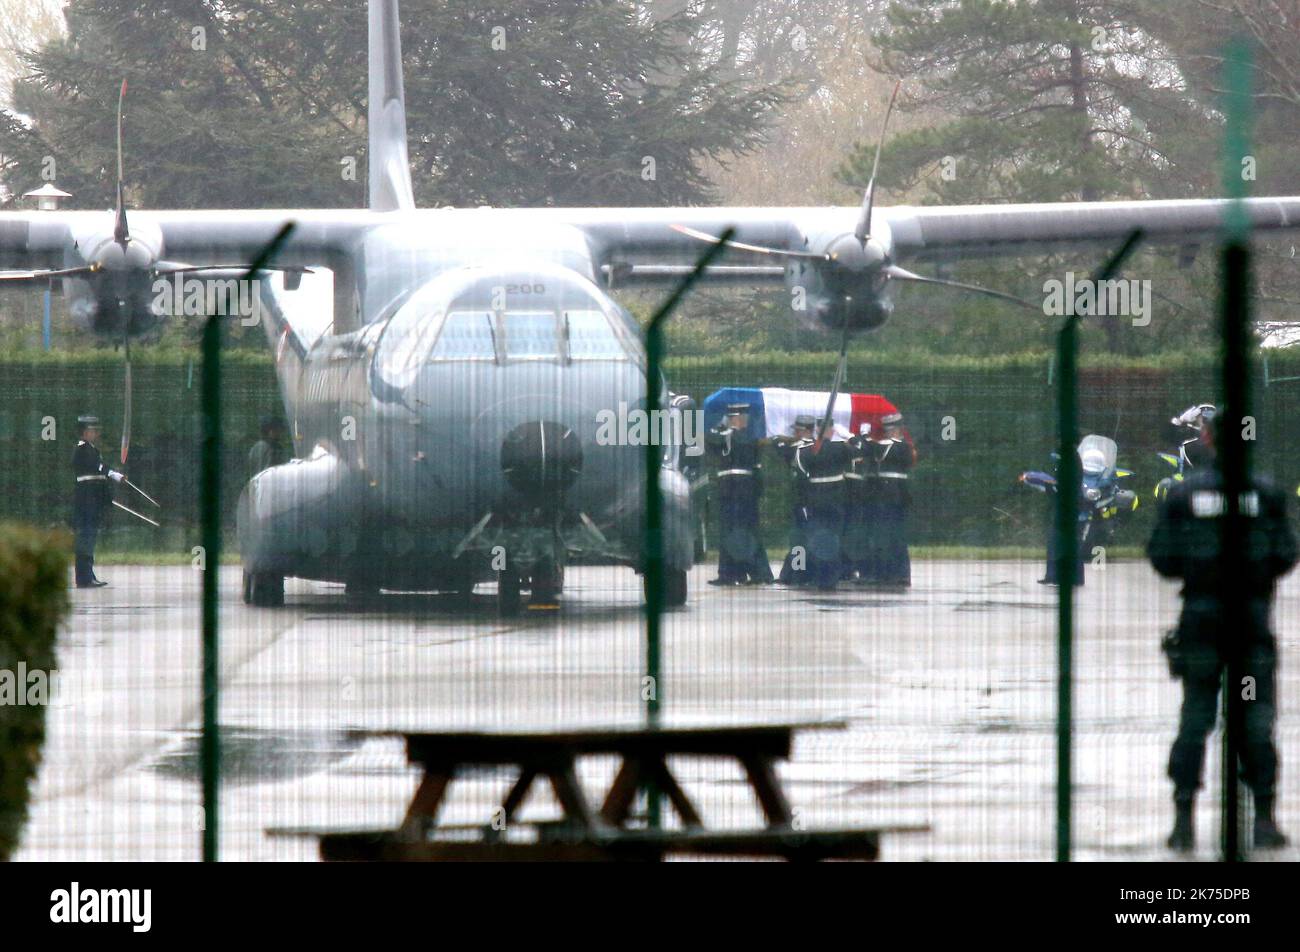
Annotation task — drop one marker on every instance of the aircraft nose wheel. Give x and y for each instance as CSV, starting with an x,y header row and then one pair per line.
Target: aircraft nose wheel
x,y
509,585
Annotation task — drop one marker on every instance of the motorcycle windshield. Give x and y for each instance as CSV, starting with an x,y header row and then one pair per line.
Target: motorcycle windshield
x,y
1097,454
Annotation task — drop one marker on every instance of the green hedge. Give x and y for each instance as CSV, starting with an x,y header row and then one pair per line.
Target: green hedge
x,y
33,600
965,488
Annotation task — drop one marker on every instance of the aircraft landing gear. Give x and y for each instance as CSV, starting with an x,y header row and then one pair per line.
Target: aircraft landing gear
x,y
674,590
547,582
263,590
509,586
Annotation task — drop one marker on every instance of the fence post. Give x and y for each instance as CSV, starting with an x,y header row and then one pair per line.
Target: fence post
x,y
1234,453
210,515
1068,478
652,554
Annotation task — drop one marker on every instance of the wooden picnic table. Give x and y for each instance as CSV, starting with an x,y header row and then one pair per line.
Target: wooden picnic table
x,y
588,831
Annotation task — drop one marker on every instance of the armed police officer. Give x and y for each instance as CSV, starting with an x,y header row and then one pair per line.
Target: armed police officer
x,y
91,496
739,477
1187,545
819,467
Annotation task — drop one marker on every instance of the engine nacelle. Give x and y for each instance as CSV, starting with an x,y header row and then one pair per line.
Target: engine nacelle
x,y
847,286
117,300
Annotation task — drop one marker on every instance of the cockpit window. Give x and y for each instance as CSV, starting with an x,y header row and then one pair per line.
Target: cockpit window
x,y
591,337
466,335
531,334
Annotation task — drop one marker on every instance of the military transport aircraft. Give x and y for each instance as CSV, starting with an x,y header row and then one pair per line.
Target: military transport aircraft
x,y
446,427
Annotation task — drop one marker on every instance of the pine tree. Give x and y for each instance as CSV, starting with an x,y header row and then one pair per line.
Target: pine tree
x,y
246,103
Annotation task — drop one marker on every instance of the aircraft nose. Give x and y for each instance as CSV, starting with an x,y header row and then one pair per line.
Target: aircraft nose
x,y
540,459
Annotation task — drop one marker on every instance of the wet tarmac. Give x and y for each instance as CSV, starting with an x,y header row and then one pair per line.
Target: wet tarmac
x,y
947,691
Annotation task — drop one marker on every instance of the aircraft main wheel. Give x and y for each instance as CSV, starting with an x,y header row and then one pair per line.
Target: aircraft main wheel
x,y
547,583
508,588
263,590
674,591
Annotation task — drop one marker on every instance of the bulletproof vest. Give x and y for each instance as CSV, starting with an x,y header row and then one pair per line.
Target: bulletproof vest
x,y
1188,538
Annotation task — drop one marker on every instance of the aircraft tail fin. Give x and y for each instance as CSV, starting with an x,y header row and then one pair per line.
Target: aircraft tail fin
x,y
389,166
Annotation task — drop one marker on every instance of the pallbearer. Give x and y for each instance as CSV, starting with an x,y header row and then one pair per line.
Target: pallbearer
x,y
860,510
738,474
891,459
90,497
819,506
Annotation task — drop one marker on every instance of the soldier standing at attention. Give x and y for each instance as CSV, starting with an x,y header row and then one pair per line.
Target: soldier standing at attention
x,y
89,499
739,476
1187,545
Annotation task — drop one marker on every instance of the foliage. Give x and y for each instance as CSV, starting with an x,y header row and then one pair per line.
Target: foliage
x,y
262,104
33,601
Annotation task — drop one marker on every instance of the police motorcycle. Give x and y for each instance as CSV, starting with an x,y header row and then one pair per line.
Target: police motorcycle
x,y
1103,503
1188,455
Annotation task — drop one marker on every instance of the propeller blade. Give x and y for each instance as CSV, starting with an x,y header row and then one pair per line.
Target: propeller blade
x,y
902,274
838,380
126,411
224,270
742,246
272,248
869,195
47,275
121,233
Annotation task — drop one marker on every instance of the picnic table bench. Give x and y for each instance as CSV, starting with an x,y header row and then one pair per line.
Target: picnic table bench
x,y
604,832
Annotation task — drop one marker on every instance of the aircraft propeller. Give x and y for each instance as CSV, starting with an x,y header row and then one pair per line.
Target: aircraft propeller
x,y
865,258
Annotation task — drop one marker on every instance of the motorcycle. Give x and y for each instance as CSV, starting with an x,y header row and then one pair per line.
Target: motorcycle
x,y
1103,502
1188,454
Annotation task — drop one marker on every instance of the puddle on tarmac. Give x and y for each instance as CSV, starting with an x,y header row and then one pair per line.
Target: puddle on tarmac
x,y
253,756
989,605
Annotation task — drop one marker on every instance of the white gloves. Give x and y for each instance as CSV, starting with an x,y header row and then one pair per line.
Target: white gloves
x,y
115,476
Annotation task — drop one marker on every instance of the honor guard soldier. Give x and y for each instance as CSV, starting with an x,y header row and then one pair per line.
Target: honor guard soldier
x,y
889,461
1187,545
860,516
819,506
89,499
794,567
739,477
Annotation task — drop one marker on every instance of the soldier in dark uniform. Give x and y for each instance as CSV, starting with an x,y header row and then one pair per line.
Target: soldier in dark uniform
x,y
794,569
89,499
860,515
1186,545
739,477
889,465
819,491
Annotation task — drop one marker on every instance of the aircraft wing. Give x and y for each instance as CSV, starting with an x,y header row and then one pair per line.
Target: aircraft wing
x,y
646,240
652,245
48,239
